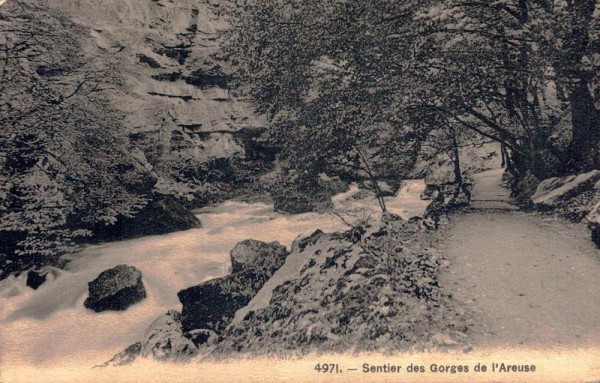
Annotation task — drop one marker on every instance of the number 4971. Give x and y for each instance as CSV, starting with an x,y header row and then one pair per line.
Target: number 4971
x,y
328,368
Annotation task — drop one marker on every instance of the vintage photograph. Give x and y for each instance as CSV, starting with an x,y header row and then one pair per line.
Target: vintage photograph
x,y
190,184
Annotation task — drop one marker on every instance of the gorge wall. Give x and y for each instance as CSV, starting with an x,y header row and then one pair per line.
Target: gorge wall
x,y
175,91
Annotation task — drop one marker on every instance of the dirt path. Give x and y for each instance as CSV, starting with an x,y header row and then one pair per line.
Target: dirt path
x,y
532,281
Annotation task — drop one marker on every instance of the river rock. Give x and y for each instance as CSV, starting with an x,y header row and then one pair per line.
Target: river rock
x,y
164,340
298,202
213,304
115,289
252,254
554,191
125,357
35,278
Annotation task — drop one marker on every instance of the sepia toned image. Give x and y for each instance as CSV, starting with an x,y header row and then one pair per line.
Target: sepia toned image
x,y
299,191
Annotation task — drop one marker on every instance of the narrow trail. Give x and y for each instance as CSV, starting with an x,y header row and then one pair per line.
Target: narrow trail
x,y
532,281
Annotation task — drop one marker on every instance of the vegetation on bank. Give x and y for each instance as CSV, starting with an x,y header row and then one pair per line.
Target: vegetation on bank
x,y
65,162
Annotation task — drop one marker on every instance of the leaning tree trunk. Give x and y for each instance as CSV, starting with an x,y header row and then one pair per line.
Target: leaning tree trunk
x,y
373,179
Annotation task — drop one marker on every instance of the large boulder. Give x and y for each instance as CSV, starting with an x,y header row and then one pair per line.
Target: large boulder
x,y
39,275
162,215
553,192
163,341
252,254
213,304
115,289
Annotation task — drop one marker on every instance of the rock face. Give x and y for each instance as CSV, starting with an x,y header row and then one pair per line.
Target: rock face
x,y
162,215
163,341
554,191
575,197
115,289
175,93
211,305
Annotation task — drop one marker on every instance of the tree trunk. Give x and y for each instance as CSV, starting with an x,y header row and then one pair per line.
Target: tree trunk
x,y
458,178
583,149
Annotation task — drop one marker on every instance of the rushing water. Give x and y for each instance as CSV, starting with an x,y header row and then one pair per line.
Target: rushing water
x,y
50,326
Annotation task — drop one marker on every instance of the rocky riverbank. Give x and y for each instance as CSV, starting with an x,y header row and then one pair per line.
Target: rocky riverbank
x,y
373,287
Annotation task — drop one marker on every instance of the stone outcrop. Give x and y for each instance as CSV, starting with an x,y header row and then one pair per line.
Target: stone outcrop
x,y
175,92
115,289
373,289
213,304
552,192
576,197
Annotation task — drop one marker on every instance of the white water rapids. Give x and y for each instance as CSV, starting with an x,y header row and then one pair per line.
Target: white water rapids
x,y
51,327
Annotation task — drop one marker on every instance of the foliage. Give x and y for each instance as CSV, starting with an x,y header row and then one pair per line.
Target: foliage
x,y
64,156
336,75
323,86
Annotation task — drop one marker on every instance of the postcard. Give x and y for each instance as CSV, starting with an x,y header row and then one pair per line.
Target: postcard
x,y
299,191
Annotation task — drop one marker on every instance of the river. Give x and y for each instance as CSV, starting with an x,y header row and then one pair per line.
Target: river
x,y
51,327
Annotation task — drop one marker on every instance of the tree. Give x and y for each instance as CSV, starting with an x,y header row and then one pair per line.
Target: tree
x,y
324,85
65,163
526,81
518,72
